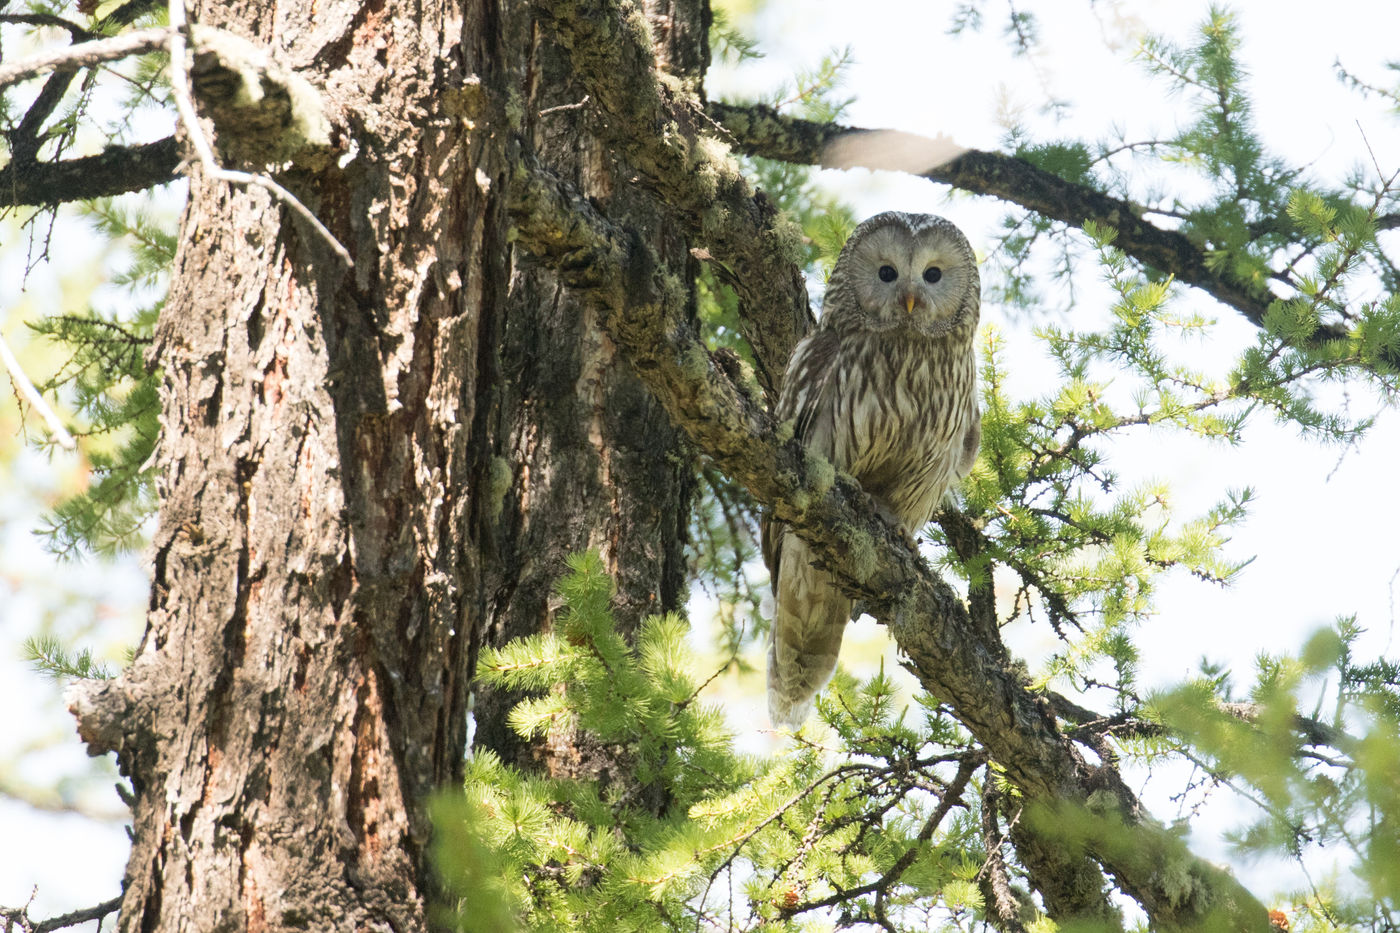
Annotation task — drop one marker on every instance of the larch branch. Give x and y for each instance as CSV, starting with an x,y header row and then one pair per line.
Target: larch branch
x,y
663,129
639,309
115,170
760,130
86,54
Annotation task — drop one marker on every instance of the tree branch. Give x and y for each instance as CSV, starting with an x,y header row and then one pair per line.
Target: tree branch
x,y
20,916
86,54
115,170
301,110
26,389
952,797
1002,905
759,130
659,126
1311,731
945,649
27,181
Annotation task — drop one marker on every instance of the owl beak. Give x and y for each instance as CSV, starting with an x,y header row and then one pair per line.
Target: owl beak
x,y
909,303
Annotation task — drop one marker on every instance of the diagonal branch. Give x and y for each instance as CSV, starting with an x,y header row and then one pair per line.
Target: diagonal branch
x,y
659,126
26,389
86,54
761,131
639,309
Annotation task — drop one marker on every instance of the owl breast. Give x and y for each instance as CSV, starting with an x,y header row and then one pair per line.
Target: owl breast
x,y
901,413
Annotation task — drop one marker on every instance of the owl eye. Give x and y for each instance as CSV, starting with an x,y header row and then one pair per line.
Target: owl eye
x,y
887,274
932,274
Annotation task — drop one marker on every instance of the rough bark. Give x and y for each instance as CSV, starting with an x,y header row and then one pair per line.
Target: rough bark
x,y
302,684
590,458
368,475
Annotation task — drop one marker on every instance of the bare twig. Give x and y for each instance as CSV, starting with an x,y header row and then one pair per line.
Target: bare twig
x,y
19,916
86,54
952,797
184,103
578,106
26,388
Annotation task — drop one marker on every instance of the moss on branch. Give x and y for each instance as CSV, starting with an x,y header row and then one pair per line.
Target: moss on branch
x,y
660,124
945,648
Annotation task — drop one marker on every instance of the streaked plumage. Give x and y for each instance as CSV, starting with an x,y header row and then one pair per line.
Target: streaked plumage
x,y
885,389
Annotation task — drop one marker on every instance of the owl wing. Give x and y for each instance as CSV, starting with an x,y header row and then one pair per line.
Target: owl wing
x,y
972,440
809,389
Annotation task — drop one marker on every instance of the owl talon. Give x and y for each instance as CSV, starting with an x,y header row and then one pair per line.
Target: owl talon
x,y
901,528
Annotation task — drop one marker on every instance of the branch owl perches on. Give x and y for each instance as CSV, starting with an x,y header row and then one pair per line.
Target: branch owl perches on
x,y
886,389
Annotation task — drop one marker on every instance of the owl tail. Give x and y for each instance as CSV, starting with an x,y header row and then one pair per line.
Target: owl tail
x,y
806,639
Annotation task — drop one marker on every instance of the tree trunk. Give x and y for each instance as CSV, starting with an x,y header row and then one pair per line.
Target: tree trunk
x,y
369,473
595,462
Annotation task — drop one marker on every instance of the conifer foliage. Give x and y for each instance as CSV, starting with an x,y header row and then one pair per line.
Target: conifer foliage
x,y
691,831
606,790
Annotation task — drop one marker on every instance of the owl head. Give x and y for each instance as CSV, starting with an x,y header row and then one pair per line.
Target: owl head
x,y
907,271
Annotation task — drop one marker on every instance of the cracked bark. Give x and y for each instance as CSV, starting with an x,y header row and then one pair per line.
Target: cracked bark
x,y
661,126
365,477
301,684
593,461
301,687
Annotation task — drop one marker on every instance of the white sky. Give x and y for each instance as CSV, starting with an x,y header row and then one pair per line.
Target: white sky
x,y
1322,523
1321,527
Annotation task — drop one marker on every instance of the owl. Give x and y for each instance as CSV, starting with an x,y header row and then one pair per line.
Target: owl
x,y
886,389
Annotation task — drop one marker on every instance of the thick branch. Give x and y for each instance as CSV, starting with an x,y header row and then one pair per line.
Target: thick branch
x,y
264,113
761,131
928,620
659,127
115,170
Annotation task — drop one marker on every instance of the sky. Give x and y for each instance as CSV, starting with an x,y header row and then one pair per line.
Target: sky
x,y
1308,496
1322,528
